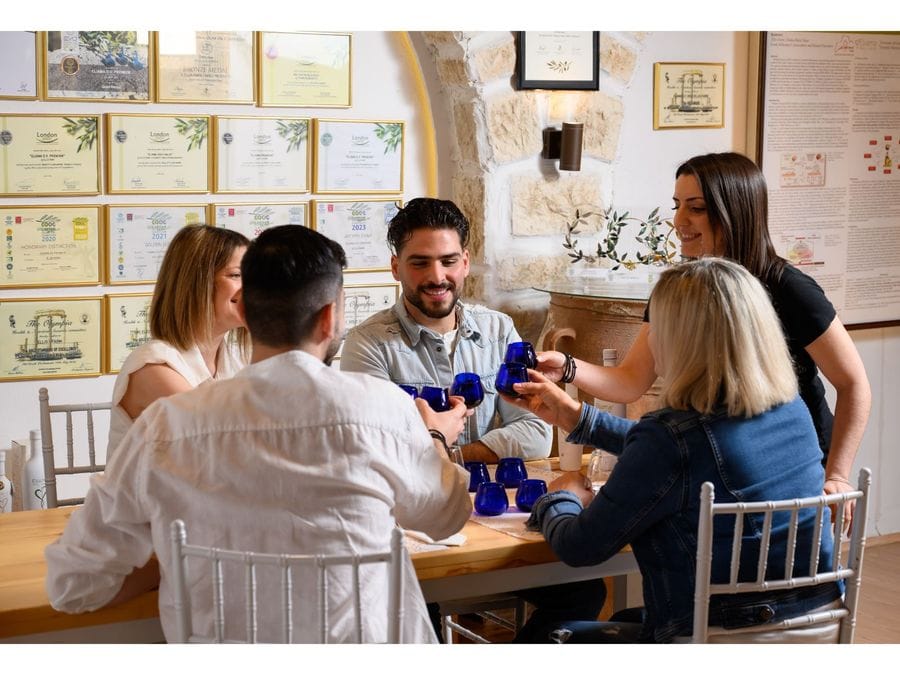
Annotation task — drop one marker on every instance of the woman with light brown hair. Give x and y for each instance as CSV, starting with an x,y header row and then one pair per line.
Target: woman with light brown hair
x,y
196,324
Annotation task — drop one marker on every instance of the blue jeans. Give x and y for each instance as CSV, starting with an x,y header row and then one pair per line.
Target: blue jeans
x,y
578,600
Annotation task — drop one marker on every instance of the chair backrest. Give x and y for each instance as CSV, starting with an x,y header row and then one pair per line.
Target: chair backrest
x,y
850,570
285,564
51,470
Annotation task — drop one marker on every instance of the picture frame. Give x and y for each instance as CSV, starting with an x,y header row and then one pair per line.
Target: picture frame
x,y
49,155
363,300
205,66
358,156
19,76
688,95
251,219
261,155
51,245
307,70
137,236
126,326
360,227
558,60
45,338
96,65
157,154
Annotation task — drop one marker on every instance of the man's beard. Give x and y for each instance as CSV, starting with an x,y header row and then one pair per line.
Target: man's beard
x,y
418,300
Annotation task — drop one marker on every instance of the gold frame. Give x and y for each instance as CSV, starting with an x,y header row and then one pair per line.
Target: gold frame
x,y
314,208
659,124
98,209
37,71
214,217
317,188
97,150
107,326
161,191
254,55
216,152
48,376
107,275
260,83
45,77
349,287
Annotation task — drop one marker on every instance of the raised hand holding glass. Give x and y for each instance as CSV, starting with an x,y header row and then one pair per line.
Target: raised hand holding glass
x,y
508,375
521,352
436,397
468,385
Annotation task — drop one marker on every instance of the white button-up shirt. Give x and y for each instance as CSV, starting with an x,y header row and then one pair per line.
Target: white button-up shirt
x,y
288,456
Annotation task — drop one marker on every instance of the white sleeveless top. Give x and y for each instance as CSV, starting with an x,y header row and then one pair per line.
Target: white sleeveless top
x,y
189,364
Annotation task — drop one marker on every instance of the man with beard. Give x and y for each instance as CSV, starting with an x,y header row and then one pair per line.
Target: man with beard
x,y
429,335
289,456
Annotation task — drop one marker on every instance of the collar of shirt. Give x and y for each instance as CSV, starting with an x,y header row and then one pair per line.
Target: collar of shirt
x,y
468,328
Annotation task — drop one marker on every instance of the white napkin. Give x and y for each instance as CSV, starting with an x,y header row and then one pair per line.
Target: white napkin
x,y
457,539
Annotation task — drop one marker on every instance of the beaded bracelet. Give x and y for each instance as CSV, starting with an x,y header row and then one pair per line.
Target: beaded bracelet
x,y
569,369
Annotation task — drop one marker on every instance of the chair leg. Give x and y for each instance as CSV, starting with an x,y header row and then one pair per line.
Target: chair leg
x,y
446,629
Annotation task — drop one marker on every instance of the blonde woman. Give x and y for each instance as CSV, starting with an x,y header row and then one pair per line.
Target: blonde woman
x,y
732,416
195,321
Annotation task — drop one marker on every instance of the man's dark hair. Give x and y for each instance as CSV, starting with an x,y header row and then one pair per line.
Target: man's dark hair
x,y
289,274
435,214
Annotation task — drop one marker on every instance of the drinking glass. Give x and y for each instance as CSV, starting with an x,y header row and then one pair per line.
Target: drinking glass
x,y
409,389
436,397
478,474
511,471
530,489
521,352
491,499
597,470
508,375
468,385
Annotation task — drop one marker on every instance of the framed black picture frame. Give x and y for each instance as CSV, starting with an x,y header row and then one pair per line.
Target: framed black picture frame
x,y
558,60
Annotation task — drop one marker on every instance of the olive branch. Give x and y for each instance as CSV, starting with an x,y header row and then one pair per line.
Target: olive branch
x,y
194,128
654,234
391,133
294,132
84,129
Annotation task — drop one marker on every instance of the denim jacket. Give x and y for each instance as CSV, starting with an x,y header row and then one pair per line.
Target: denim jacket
x,y
391,345
652,502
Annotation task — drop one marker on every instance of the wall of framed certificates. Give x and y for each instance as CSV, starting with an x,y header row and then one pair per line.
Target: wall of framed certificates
x,y
111,141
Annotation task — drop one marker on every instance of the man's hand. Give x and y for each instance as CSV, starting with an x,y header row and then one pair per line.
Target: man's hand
x,y
450,423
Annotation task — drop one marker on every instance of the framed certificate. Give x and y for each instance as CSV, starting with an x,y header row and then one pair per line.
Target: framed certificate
x,y
262,154
688,95
204,66
112,65
361,228
43,338
138,235
47,155
127,326
308,70
50,245
157,153
251,219
363,300
19,56
363,157
558,60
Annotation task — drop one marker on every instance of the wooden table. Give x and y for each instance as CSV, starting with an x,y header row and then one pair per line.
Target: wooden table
x,y
489,562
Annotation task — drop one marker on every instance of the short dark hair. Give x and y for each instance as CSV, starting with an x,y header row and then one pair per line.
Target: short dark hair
x,y
289,274
435,214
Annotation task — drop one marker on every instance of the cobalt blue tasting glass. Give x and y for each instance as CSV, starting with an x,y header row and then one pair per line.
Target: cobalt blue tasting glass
x,y
409,389
508,375
468,385
511,471
436,397
529,492
491,499
521,352
478,474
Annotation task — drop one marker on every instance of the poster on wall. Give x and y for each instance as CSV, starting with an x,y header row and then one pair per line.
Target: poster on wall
x,y
262,154
359,156
204,66
127,326
251,219
43,338
309,70
360,227
19,74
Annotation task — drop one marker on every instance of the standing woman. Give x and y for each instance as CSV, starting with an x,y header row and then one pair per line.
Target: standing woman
x,y
721,209
196,323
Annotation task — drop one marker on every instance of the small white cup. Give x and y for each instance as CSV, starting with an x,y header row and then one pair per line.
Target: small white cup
x,y
569,453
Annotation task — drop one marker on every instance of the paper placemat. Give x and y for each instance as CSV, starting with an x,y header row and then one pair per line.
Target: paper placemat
x,y
512,522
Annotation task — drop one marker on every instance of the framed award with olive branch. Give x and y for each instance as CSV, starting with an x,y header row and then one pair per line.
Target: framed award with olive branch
x,y
363,300
251,219
358,156
157,153
308,70
261,154
127,326
558,60
112,65
205,66
49,155
43,338
19,56
360,227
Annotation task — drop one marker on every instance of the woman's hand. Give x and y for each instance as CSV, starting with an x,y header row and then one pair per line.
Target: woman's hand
x,y
550,365
834,486
547,401
576,483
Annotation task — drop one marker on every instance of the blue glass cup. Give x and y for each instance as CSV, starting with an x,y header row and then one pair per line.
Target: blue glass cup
x,y
436,397
508,375
511,472
530,490
468,385
491,499
409,389
521,352
478,474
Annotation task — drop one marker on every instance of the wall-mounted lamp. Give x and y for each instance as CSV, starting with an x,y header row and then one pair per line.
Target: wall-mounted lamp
x,y
564,145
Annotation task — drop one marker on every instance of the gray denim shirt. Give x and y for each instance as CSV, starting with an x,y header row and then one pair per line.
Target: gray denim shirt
x,y
391,345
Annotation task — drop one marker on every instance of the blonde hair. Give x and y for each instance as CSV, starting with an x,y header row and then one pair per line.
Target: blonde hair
x,y
182,311
719,340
